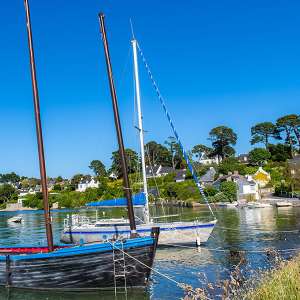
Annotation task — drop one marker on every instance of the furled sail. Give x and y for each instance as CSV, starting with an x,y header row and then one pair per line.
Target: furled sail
x,y
137,199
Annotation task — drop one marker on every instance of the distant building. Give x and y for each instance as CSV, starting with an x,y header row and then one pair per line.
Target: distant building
x,y
158,171
113,176
247,187
205,160
87,183
262,177
243,158
209,177
294,167
180,175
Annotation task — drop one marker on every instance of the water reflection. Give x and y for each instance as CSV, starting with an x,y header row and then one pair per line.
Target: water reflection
x,y
237,229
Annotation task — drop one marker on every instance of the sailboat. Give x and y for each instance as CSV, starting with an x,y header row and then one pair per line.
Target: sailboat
x,y
113,264
171,233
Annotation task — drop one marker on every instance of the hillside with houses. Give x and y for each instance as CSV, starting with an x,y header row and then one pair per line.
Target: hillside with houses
x,y
225,176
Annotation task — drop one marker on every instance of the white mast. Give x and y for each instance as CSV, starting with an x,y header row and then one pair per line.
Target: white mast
x,y
140,128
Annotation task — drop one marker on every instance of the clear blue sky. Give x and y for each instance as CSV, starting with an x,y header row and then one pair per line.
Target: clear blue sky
x,y
231,63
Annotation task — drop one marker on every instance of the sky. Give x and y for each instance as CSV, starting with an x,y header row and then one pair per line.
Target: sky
x,y
232,63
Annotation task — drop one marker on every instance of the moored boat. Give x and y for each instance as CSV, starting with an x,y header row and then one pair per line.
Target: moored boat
x,y
15,219
82,267
283,204
113,264
258,205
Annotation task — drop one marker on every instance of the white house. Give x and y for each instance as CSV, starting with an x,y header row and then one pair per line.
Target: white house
x,y
247,187
205,160
157,171
84,184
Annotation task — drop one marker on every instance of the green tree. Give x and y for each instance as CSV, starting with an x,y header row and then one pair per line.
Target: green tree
x,y
98,168
9,178
258,156
6,193
231,164
279,152
262,132
200,149
176,154
229,189
290,125
59,179
223,138
157,154
131,159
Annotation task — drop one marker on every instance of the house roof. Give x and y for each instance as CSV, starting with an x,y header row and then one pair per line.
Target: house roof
x,y
209,176
180,174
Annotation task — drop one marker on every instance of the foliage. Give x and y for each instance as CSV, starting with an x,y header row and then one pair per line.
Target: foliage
x,y
288,124
157,154
131,159
229,189
200,149
7,193
98,168
279,283
258,156
210,190
9,178
222,138
279,152
176,154
262,132
231,164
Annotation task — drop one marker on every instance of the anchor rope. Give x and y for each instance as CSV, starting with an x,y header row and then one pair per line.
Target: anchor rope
x,y
179,284
185,155
228,250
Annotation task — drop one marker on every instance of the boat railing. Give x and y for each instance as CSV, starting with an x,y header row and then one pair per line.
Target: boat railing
x,y
76,220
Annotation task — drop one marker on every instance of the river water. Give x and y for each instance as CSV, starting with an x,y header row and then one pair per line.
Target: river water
x,y
250,230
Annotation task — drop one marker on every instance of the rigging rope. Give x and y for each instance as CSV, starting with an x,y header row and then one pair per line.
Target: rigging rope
x,y
185,155
179,284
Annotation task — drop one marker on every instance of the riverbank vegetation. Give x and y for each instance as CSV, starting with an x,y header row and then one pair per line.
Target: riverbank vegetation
x,y
220,155
282,283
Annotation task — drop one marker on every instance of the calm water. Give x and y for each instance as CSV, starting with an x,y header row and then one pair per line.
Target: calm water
x,y
238,229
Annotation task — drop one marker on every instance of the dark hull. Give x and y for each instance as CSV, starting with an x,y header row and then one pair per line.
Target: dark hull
x,y
88,267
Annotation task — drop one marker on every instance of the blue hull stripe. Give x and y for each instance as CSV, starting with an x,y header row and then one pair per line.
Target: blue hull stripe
x,y
84,249
142,230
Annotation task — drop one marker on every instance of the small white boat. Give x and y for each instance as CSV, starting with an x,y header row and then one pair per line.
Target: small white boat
x,y
284,204
16,219
228,204
258,205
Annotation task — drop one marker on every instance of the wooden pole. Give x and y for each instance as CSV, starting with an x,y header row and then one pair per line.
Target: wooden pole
x,y
39,131
126,184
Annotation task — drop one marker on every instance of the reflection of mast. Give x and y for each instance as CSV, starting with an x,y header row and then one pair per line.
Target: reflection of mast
x,y
126,185
140,128
39,131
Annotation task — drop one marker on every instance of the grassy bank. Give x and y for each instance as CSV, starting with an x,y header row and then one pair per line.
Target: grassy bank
x,y
282,283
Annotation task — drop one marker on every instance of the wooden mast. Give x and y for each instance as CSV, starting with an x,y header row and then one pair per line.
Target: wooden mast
x,y
126,184
39,131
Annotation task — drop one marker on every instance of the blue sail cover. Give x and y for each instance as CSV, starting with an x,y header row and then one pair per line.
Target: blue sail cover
x,y
137,199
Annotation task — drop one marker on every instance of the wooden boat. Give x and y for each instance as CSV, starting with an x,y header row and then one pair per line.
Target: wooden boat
x,y
15,219
112,264
82,267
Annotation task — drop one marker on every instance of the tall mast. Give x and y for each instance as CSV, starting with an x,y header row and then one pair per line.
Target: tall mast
x,y
39,131
141,131
126,185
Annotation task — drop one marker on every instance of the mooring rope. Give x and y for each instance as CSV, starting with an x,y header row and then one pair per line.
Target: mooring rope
x,y
185,155
229,250
179,284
